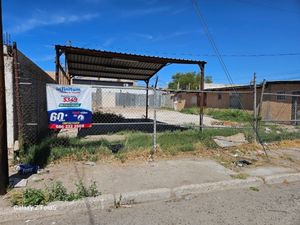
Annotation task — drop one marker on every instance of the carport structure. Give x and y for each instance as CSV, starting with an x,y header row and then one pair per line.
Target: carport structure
x,y
105,64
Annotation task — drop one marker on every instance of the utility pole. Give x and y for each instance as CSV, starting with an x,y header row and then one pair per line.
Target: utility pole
x,y
254,108
201,88
3,131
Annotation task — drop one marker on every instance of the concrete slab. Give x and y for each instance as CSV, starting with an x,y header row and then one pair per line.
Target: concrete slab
x,y
267,171
234,140
138,176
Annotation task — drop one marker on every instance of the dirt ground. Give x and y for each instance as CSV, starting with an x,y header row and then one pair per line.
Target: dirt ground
x,y
166,116
136,172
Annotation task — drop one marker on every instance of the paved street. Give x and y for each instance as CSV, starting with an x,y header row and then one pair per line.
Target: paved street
x,y
271,205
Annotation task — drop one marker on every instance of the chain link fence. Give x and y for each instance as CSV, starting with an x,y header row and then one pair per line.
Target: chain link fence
x,y
154,112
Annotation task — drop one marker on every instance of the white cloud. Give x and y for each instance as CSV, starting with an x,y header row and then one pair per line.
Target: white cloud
x,y
144,12
40,20
143,35
166,36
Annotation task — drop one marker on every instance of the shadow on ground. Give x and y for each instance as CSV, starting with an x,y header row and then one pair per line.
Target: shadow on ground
x,y
142,125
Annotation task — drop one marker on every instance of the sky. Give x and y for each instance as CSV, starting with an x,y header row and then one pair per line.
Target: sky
x,y
251,35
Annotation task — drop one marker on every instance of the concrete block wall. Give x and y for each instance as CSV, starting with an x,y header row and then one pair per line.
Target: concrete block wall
x,y
25,99
33,101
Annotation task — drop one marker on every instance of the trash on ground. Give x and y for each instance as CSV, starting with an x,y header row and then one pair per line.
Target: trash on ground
x,y
267,130
42,171
21,183
27,168
230,141
90,163
242,162
115,148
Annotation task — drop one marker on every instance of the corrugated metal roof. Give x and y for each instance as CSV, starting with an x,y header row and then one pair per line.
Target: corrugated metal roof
x,y
97,63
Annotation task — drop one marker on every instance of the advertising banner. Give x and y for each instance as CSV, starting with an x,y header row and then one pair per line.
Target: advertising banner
x,y
69,106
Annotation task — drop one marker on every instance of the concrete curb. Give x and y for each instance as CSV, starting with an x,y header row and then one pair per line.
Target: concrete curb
x,y
217,186
144,196
109,200
282,178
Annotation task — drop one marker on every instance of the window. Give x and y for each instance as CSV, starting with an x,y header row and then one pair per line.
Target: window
x,y
280,97
219,97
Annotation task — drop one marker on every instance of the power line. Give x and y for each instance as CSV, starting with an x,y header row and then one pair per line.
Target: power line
x,y
223,65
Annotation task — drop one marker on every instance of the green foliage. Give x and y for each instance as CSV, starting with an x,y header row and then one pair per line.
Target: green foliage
x,y
277,134
191,110
208,79
235,115
51,149
189,80
33,197
82,191
57,192
138,140
241,176
254,189
187,140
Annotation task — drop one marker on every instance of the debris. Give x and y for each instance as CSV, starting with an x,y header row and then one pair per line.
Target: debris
x,y
254,189
267,130
42,171
230,141
278,132
225,123
109,138
115,148
27,169
21,183
126,206
242,162
90,163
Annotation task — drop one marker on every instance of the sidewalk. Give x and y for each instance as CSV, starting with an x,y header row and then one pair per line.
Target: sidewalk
x,y
134,176
179,176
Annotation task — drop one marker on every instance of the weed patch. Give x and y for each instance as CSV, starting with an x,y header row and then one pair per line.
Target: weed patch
x,y
241,176
56,192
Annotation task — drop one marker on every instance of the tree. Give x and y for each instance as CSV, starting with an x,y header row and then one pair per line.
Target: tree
x,y
187,81
208,79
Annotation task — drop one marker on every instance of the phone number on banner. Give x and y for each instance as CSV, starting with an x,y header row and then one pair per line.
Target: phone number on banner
x,y
67,126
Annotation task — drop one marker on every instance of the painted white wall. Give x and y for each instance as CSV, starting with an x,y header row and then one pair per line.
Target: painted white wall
x,y
9,96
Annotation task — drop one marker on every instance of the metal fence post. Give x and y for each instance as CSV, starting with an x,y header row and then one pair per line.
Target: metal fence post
x,y
254,108
154,121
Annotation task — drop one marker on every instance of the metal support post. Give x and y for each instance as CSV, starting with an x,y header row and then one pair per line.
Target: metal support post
x,y
147,98
254,108
201,96
154,122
